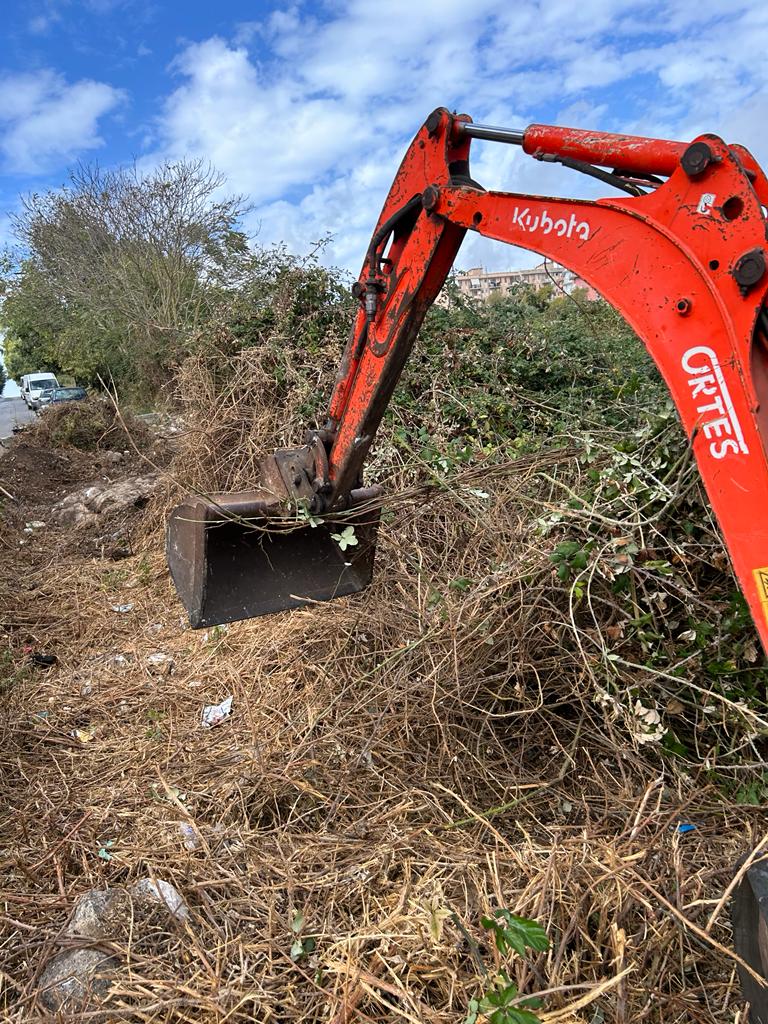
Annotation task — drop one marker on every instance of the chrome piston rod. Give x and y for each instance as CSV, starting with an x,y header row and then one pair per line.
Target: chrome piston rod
x,y
489,132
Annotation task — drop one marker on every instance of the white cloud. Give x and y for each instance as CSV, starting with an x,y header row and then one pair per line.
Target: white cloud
x,y
39,24
310,117
44,119
48,14
268,137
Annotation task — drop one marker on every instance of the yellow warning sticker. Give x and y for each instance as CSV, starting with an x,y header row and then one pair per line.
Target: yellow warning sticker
x,y
761,580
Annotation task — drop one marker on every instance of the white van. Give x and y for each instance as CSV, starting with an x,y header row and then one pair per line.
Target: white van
x,y
33,385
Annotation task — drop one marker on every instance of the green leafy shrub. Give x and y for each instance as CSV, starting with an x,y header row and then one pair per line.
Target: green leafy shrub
x,y
502,1002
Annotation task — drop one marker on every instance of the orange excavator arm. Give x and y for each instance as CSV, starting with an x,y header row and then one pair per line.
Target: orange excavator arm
x,y
681,254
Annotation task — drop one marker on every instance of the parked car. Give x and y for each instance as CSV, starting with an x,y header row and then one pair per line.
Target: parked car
x,y
45,398
34,384
53,396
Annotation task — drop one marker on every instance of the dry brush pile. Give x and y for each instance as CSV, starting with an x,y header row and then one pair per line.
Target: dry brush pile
x,y
491,725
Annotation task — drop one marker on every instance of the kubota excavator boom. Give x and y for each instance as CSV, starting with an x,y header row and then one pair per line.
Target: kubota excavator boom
x,y
681,255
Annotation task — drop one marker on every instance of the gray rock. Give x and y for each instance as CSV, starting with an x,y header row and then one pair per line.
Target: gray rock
x,y
98,914
75,512
81,507
75,978
123,494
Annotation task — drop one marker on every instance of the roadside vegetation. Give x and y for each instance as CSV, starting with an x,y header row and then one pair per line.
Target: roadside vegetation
x,y
508,782
653,614
113,274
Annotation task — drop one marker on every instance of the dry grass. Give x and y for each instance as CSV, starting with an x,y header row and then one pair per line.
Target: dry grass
x,y
428,748
90,425
236,408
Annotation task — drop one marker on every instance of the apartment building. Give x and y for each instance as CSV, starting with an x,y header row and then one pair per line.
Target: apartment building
x,y
481,284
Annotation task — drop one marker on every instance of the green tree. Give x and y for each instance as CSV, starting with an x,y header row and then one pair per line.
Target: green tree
x,y
119,271
32,318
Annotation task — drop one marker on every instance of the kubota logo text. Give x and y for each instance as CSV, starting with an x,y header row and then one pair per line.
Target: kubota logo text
x,y
543,224
717,420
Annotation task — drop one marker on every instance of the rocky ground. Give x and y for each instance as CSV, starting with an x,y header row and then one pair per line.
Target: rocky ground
x,y
65,509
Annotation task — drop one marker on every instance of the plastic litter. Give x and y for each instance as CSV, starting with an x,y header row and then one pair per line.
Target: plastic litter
x,y
189,835
122,609
104,849
215,714
159,891
164,792
43,660
684,827
215,634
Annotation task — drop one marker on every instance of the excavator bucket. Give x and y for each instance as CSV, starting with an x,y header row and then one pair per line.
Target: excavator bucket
x,y
749,917
233,557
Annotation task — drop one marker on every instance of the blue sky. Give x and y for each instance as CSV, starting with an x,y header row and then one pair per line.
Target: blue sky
x,y
307,108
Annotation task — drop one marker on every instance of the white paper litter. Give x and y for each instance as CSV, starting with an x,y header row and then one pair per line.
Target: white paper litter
x,y
158,658
160,663
121,608
214,714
